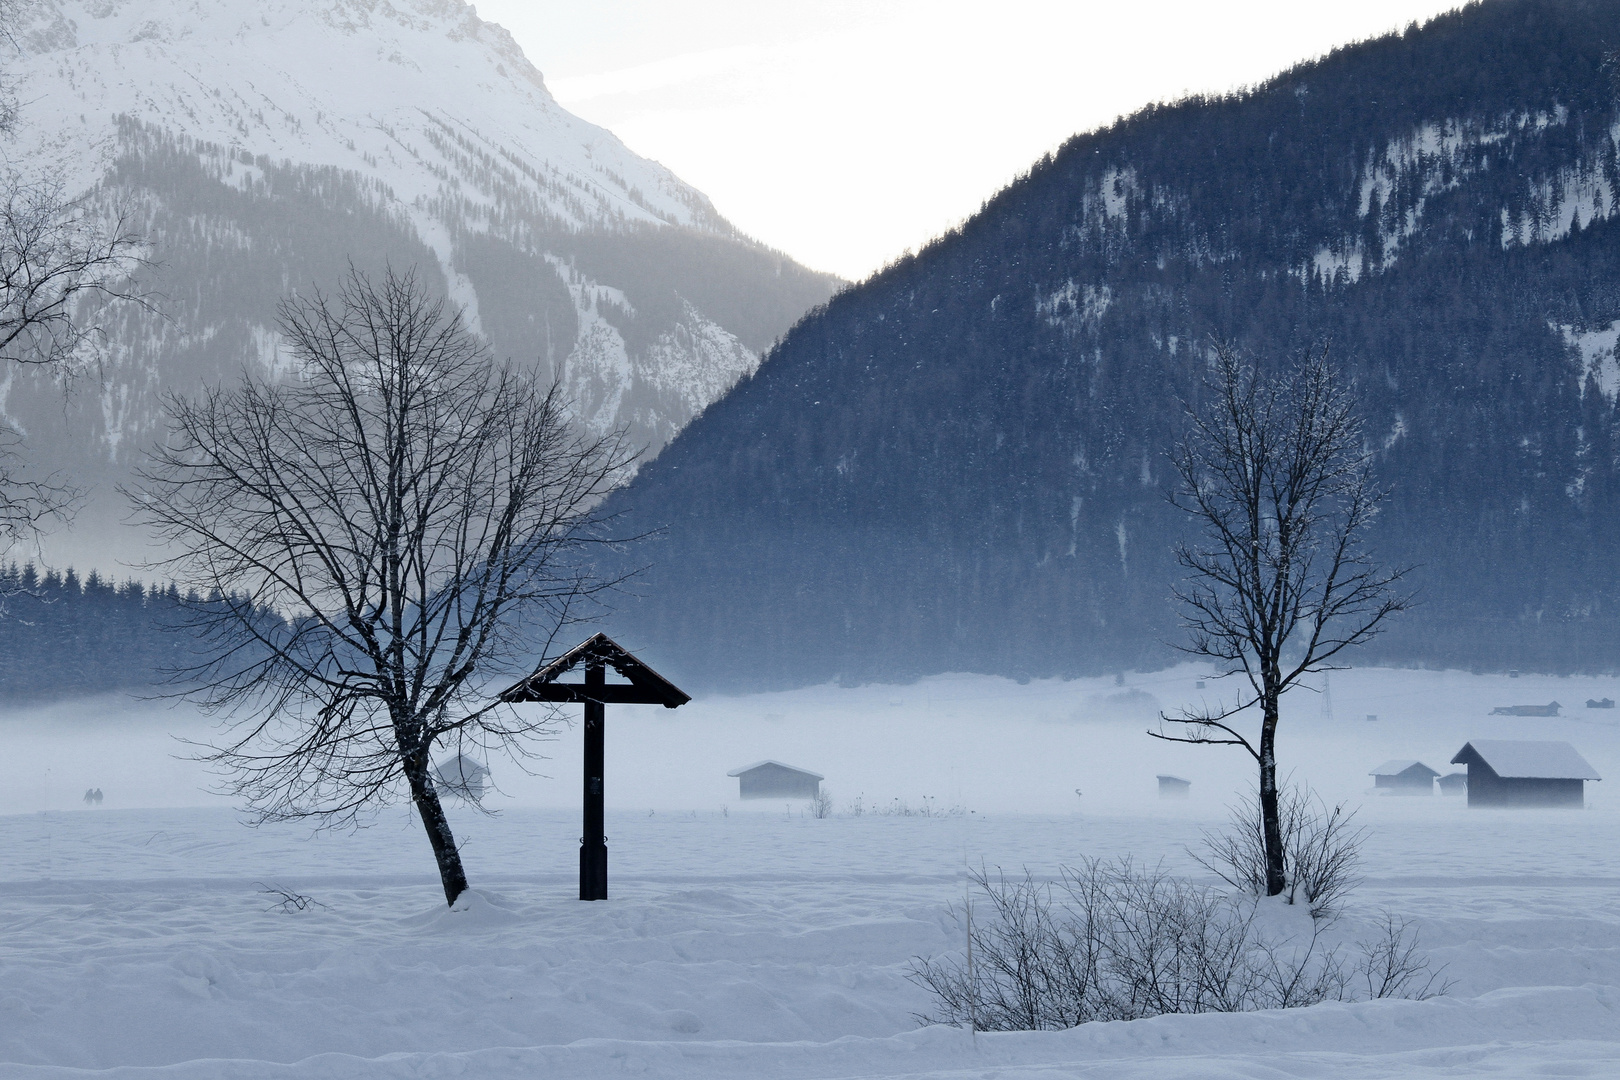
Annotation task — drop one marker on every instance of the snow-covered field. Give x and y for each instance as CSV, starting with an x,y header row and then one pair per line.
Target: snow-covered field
x,y
137,938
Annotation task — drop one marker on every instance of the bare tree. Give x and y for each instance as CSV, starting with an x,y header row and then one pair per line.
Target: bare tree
x,y
61,258
1279,581
62,261
375,540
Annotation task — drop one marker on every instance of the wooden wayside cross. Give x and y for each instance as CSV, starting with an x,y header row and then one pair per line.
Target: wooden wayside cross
x,y
642,686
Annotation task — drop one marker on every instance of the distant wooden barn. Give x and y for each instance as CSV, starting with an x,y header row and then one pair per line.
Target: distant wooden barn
x,y
1507,772
1173,787
1549,709
774,780
1403,777
1600,703
1453,783
461,775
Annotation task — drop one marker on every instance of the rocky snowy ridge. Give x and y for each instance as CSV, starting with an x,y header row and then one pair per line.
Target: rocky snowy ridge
x,y
420,94
263,144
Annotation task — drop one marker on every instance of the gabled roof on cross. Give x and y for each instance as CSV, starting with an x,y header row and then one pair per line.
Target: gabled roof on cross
x,y
647,687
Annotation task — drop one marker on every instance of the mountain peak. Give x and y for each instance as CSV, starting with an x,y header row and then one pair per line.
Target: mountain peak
x,y
265,146
421,94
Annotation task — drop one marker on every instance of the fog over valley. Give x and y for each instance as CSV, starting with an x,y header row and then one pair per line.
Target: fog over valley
x,y
479,598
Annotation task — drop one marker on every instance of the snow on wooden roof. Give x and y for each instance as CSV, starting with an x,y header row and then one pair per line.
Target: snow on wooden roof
x,y
646,686
1400,765
461,767
1177,779
778,764
1529,759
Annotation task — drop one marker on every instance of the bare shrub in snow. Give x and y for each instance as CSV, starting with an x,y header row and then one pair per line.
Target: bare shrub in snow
x,y
1113,941
928,807
1027,968
822,805
1321,849
1392,965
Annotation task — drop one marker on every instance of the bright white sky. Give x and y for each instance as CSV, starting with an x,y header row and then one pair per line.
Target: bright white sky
x,y
846,131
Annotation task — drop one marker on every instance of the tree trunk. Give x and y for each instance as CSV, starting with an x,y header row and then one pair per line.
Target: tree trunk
x,y
426,798
1270,822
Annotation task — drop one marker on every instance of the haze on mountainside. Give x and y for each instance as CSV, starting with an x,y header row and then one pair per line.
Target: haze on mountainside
x,y
959,464
266,144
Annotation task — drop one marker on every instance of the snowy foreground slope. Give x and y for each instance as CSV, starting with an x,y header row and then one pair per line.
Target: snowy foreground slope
x,y
139,941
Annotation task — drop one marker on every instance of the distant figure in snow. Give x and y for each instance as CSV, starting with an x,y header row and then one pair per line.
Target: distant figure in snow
x,y
92,796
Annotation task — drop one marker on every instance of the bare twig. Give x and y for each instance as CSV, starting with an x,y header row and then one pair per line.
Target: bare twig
x,y
289,900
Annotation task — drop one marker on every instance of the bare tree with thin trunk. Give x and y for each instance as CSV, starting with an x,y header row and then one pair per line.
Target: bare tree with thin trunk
x,y
377,541
1278,476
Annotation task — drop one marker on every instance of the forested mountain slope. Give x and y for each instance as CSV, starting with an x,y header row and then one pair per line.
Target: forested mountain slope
x,y
262,146
959,464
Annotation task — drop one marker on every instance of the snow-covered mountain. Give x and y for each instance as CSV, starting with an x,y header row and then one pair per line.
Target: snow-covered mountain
x,y
263,145
960,464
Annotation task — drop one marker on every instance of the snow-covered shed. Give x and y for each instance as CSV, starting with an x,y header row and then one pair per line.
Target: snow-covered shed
x,y
1513,772
461,775
1549,709
774,780
1404,777
1455,783
1173,787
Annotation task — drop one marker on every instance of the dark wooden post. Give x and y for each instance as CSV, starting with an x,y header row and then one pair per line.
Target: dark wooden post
x,y
593,844
642,686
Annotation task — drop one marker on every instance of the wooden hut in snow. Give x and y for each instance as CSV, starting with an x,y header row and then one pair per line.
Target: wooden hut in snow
x,y
1453,783
1402,777
1549,709
1173,787
1511,772
461,775
774,780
